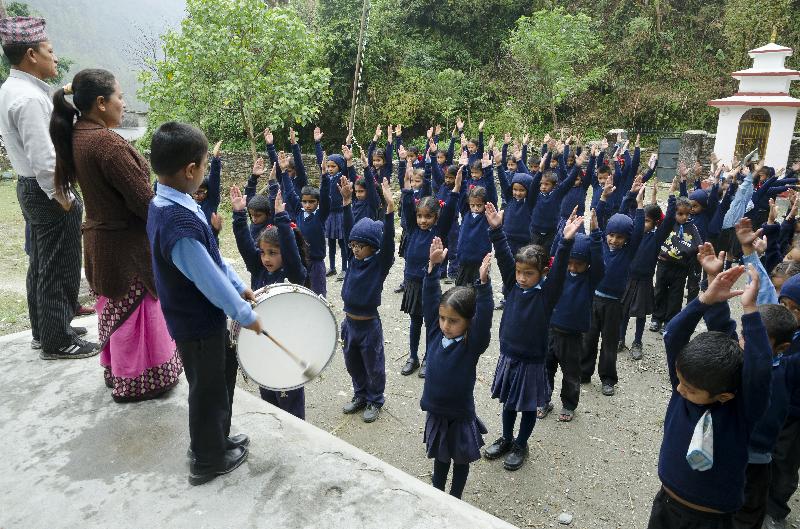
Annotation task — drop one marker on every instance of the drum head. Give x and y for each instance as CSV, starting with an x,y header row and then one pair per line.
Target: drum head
x,y
301,322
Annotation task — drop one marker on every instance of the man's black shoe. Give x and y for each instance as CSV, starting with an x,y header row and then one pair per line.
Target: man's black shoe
x,y
358,403
200,473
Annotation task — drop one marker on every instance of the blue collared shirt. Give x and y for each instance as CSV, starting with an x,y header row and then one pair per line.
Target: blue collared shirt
x,y
221,285
447,342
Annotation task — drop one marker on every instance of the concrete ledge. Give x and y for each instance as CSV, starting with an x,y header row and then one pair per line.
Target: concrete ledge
x,y
74,458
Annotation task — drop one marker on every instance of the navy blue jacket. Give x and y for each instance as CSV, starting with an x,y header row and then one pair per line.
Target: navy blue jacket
x,y
517,215
722,486
546,211
618,262
473,239
370,206
576,195
300,179
526,316
312,225
418,243
785,380
573,312
451,371
643,266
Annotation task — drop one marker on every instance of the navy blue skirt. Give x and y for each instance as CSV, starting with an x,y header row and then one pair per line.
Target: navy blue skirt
x,y
520,385
457,439
334,225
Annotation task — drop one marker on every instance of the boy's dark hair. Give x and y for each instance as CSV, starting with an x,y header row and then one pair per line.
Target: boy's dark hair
x,y
260,203
605,169
437,152
779,322
461,300
535,160
786,269
476,166
533,255
682,202
452,170
654,213
413,150
430,203
16,52
271,236
711,361
551,177
478,192
176,145
310,191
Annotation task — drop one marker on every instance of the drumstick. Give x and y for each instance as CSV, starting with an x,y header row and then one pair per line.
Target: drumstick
x,y
308,370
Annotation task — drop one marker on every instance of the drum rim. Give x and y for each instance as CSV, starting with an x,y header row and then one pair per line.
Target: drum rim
x,y
297,289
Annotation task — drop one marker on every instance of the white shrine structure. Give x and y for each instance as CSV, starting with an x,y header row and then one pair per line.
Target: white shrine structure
x,y
761,114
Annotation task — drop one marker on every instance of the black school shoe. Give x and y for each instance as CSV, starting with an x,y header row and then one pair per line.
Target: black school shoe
x,y
237,441
356,404
608,390
516,458
330,272
498,448
200,473
77,348
401,288
371,412
636,351
655,326
421,372
411,365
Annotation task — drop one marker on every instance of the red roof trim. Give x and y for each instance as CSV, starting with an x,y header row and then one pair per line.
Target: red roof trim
x,y
765,74
762,94
723,103
780,50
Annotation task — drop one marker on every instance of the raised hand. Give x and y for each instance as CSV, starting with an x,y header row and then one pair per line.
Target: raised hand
x,y
215,152
318,134
571,228
280,206
711,262
216,222
698,168
459,124
486,265
491,142
481,124
238,202
463,159
292,136
268,136
437,253
637,141
437,130
459,179
378,133
387,195
773,211
593,224
493,217
652,162
682,171
721,288
273,172
398,130
346,190
401,152
498,158
485,161
745,233
429,133
640,197
347,152
258,167
750,294
526,138
608,188
363,156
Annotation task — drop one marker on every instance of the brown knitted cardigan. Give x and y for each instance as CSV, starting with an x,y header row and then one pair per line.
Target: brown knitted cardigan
x,y
115,182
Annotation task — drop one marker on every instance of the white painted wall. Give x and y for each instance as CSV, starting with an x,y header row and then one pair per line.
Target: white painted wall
x,y
727,128
780,135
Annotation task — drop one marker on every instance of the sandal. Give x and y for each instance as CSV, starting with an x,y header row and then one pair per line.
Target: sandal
x,y
566,415
541,413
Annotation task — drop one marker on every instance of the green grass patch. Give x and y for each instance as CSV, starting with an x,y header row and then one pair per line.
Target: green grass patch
x,y
13,312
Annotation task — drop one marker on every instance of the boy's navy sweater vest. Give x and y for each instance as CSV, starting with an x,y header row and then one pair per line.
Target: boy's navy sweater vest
x,y
188,312
292,270
473,239
361,290
312,225
526,316
722,486
573,312
618,262
644,262
418,245
546,212
451,371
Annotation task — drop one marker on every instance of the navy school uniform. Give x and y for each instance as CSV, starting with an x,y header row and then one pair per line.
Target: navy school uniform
x,y
520,379
292,271
473,245
423,191
544,219
517,213
606,304
486,181
437,177
678,253
250,191
210,204
721,486
451,241
370,206
452,428
312,226
597,188
361,294
300,179
386,170
571,318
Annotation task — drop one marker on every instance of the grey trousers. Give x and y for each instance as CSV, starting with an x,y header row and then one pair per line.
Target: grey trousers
x,y
54,264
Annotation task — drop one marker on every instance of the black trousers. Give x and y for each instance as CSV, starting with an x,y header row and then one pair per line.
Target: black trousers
x,y
693,280
756,490
670,514
785,464
543,239
670,283
210,365
54,264
606,317
565,350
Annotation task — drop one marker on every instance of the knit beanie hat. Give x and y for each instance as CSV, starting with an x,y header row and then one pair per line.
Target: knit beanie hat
x,y
699,196
620,223
523,179
791,289
259,203
580,248
368,231
338,159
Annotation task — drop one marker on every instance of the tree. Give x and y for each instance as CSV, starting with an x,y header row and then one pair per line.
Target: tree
x,y
235,67
555,54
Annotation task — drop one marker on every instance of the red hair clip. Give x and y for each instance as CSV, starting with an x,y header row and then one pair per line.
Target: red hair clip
x,y
269,226
441,203
662,216
293,225
416,201
550,262
472,186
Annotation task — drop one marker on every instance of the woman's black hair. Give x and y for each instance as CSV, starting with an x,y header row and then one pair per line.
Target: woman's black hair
x,y
431,203
653,212
533,255
477,192
271,236
87,86
461,300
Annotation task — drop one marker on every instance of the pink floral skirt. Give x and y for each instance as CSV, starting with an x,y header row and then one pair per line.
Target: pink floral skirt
x,y
139,356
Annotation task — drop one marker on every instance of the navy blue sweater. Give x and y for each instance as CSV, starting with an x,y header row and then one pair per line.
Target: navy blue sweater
x,y
188,312
573,312
418,242
618,262
361,290
576,195
517,219
367,208
312,225
292,270
473,239
643,266
722,486
785,380
526,316
210,204
451,371
300,179
386,169
548,205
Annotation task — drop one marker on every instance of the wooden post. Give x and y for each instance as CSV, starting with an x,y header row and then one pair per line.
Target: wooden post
x,y
3,12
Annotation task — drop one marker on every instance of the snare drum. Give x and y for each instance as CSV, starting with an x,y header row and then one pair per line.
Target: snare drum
x,y
300,320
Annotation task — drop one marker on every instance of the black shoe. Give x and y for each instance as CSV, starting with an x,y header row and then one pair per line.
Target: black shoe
x,y
36,344
621,347
516,457
371,412
79,331
608,390
200,473
411,365
655,326
237,441
76,349
356,404
421,372
501,305
497,449
636,351
330,272
586,380
400,288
